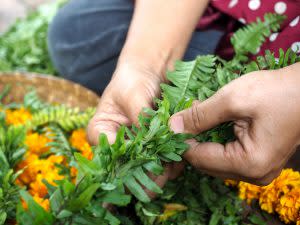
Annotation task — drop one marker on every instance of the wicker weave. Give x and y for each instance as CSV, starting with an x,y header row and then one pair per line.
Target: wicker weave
x,y
49,88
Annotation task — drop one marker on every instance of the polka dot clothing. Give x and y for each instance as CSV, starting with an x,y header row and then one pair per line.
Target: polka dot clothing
x,y
232,14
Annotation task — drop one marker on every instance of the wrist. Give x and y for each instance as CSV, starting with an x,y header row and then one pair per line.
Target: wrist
x,y
149,59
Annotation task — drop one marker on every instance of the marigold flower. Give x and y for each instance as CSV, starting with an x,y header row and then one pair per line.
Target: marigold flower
x,y
231,183
79,141
31,167
284,183
39,188
288,206
268,198
248,191
17,117
37,143
41,201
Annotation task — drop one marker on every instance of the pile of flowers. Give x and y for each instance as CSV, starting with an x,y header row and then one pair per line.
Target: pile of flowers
x,y
39,164
282,196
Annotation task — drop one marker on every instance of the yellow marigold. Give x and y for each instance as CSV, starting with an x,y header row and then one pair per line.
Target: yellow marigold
x,y
41,201
248,191
268,198
39,188
79,141
284,183
232,183
30,166
56,159
287,180
288,206
17,117
36,143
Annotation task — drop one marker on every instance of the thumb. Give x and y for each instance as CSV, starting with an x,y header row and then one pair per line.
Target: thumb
x,y
202,116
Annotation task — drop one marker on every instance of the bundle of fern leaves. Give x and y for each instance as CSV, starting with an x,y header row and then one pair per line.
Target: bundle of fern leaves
x,y
119,171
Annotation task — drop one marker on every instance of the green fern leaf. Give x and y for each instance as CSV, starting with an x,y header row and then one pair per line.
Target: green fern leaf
x,y
250,38
185,78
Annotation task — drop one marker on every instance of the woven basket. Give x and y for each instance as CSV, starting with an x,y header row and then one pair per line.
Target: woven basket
x,y
50,89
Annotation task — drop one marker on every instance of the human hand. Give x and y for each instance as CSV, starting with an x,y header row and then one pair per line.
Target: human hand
x,y
265,109
132,88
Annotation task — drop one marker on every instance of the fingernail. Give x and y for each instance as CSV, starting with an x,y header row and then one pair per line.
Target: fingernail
x,y
176,124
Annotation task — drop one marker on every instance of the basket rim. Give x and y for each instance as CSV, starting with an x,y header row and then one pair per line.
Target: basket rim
x,y
30,75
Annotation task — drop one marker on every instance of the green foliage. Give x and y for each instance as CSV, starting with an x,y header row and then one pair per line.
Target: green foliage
x,y
202,195
24,46
248,39
269,62
11,151
66,117
143,149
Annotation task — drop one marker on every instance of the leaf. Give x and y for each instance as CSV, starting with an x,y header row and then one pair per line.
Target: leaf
x,y
140,175
3,216
172,156
256,220
64,214
215,218
136,189
83,199
148,213
117,198
108,186
36,212
56,200
154,168
250,38
87,165
111,219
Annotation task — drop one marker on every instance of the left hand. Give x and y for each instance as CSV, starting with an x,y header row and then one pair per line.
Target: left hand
x,y
265,109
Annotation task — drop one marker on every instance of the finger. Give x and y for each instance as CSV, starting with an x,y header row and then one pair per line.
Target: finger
x,y
202,115
107,120
134,107
217,159
176,170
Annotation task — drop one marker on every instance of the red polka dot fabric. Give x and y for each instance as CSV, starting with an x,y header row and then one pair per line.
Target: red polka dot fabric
x,y
231,14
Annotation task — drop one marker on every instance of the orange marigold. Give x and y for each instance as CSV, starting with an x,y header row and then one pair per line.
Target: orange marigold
x,y
41,201
248,191
39,188
17,117
37,143
31,166
268,198
79,141
284,183
288,206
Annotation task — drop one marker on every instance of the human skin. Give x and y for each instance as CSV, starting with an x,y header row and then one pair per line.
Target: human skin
x,y
158,35
265,109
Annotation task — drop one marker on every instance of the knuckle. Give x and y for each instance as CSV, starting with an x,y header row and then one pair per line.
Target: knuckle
x,y
198,116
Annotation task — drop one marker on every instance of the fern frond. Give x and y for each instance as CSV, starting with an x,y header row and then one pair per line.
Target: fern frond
x,y
248,39
269,62
67,118
59,144
186,77
33,102
12,145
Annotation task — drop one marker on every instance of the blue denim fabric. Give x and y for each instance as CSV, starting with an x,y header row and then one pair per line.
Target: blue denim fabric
x,y
86,37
